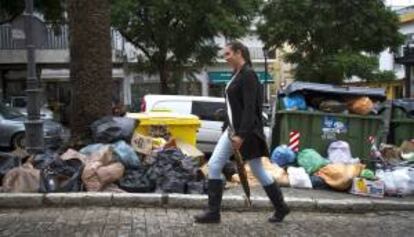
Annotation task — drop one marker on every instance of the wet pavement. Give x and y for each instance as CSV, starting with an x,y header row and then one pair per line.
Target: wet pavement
x,y
113,221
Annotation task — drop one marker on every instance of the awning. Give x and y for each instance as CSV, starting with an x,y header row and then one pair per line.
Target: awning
x,y
224,76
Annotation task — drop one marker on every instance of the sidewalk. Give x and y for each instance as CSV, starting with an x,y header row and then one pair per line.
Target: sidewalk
x,y
297,199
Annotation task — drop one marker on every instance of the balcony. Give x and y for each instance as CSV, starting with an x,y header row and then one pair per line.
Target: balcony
x,y
408,55
54,47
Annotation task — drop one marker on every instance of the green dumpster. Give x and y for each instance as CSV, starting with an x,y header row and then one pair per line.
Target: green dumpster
x,y
402,122
318,129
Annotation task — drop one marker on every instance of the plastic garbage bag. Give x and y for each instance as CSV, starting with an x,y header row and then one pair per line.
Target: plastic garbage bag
x,y
89,149
172,170
319,183
137,181
294,102
7,162
42,160
127,126
340,152
196,187
73,154
106,130
62,176
101,169
339,176
398,182
126,155
311,160
283,156
332,106
229,170
367,174
22,179
361,105
298,178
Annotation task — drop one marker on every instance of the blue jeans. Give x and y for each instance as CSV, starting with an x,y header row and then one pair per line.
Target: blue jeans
x,y
221,155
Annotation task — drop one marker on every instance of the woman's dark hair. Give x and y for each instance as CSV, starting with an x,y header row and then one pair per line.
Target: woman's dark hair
x,y
237,46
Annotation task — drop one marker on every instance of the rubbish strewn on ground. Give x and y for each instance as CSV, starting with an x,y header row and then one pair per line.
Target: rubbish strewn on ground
x,y
323,143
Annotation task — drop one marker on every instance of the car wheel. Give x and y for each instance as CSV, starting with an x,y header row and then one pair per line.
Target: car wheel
x,y
19,141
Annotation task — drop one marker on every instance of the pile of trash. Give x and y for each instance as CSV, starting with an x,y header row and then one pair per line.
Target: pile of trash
x,y
119,160
332,99
339,171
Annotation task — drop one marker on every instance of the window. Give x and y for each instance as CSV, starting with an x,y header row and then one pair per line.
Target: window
x,y
213,111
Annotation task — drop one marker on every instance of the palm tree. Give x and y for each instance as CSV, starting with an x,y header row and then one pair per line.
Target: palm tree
x,y
90,64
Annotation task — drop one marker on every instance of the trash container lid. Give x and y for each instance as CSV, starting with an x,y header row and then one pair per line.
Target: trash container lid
x,y
164,118
300,86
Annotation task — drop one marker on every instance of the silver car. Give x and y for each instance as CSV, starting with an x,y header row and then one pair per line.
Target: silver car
x,y
20,104
12,129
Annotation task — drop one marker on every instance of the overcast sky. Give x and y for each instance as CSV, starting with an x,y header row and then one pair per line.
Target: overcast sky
x,y
399,2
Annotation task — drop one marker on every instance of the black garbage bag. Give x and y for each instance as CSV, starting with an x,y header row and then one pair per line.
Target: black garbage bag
x,y
173,185
172,170
319,183
229,170
406,104
197,187
7,162
43,160
127,126
62,176
332,106
106,130
136,181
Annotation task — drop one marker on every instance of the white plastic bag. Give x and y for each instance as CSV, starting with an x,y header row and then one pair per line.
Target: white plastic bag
x,y
399,181
404,179
298,178
340,152
388,179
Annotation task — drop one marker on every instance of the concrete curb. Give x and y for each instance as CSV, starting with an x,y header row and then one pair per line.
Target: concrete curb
x,y
234,202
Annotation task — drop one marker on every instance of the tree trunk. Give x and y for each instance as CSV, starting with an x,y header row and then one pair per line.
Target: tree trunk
x,y
163,80
90,64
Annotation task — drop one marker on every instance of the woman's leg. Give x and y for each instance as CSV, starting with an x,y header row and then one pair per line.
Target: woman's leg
x,y
272,190
220,156
218,159
259,172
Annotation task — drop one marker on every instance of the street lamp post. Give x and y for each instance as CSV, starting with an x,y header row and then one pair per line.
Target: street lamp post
x,y
34,125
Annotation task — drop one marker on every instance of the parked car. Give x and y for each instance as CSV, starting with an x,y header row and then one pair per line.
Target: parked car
x,y
20,103
210,110
12,129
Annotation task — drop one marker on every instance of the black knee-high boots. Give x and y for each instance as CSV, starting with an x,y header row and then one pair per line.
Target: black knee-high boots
x,y
275,195
215,194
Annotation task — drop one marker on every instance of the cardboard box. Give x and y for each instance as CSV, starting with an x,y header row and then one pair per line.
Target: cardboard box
x,y
141,143
364,187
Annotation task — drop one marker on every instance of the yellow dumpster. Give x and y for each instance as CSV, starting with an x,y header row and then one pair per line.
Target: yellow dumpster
x,y
183,127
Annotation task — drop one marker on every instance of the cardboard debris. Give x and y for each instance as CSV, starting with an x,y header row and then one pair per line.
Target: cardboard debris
x,y
364,187
142,144
190,150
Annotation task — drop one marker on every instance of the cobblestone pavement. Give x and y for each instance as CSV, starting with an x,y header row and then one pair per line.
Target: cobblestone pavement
x,y
100,221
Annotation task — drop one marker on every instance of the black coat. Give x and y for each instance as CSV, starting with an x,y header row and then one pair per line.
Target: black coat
x,y
246,99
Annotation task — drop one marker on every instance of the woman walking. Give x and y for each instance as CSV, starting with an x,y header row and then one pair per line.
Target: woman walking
x,y
244,99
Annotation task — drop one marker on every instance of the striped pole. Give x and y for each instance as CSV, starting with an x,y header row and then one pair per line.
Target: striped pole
x,y
294,138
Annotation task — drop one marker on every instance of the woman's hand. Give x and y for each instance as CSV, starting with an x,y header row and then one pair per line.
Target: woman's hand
x,y
236,142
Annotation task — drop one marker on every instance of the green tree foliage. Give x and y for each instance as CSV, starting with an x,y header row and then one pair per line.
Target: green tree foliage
x,y
51,9
177,36
331,40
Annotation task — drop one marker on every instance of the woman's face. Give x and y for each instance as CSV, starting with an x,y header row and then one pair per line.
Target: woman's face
x,y
233,58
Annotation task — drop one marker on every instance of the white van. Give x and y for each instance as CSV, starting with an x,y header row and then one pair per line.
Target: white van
x,y
210,110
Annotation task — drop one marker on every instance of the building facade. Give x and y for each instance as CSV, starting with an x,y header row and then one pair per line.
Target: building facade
x,y
52,62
